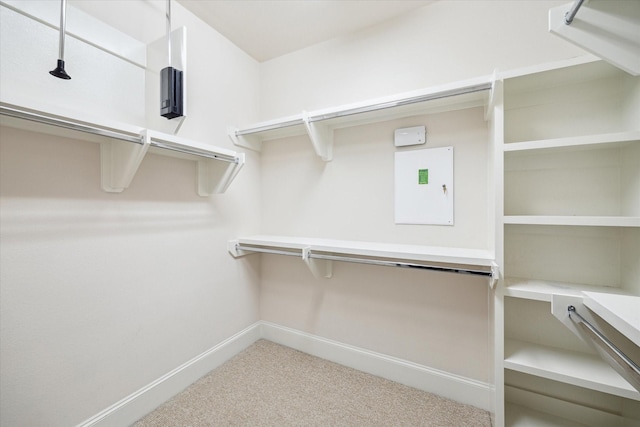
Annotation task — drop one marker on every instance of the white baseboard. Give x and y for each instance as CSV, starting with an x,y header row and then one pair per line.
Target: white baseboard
x,y
136,405
451,386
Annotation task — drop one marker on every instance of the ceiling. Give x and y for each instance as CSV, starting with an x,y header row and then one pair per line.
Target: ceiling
x,y
266,29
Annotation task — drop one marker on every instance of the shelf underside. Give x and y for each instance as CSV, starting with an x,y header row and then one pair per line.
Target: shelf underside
x,y
543,290
461,256
571,367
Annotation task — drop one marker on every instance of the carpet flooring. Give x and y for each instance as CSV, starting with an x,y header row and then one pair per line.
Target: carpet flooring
x,y
272,385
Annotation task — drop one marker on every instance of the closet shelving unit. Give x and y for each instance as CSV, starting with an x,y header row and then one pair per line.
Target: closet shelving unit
x,y
123,147
320,124
570,226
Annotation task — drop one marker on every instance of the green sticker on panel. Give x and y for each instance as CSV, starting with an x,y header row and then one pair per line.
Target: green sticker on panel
x,y
423,176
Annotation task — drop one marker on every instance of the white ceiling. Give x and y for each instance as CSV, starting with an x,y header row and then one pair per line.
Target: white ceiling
x,y
266,29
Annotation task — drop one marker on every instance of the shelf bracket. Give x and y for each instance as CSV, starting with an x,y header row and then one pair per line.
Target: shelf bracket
x,y
321,137
491,100
495,275
252,142
319,267
214,176
232,247
119,162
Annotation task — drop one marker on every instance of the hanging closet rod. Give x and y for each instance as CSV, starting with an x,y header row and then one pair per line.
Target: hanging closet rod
x,y
623,361
55,121
85,128
193,151
385,263
568,17
368,108
400,102
400,264
265,128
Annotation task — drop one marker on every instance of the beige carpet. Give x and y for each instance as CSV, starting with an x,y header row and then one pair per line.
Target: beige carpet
x,y
272,385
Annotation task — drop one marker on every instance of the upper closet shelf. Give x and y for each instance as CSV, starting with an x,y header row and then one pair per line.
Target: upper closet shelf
x,y
319,124
620,311
575,220
587,141
544,290
319,253
122,148
607,28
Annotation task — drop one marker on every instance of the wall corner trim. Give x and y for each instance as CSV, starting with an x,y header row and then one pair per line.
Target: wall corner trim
x,y
145,400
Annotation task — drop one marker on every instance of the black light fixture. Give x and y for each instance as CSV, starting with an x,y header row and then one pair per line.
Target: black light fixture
x,y
59,71
171,97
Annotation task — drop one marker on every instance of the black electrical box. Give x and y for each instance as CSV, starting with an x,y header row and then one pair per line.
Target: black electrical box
x,y
171,99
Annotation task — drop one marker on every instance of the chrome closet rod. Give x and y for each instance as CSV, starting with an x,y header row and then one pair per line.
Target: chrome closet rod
x,y
267,251
367,261
406,101
38,118
630,363
194,152
400,264
53,121
369,108
265,128
568,17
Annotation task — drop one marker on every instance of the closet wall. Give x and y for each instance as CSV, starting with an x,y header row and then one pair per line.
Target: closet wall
x,y
436,319
444,42
101,293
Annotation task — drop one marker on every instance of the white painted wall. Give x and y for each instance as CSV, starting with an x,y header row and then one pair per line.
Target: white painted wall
x,y
103,293
446,41
439,320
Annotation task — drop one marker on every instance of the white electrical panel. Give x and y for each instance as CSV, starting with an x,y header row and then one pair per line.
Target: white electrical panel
x,y
410,136
424,186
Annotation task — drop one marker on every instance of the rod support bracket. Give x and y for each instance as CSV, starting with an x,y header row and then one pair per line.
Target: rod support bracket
x,y
495,275
232,247
320,268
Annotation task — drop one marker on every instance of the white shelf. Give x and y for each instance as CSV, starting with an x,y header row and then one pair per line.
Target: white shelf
x,y
439,258
571,367
608,29
589,221
589,141
543,290
521,416
620,311
319,124
550,411
123,147
460,256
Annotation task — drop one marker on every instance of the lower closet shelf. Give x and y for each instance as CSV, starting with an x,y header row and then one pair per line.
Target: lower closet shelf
x,y
319,253
521,416
571,367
